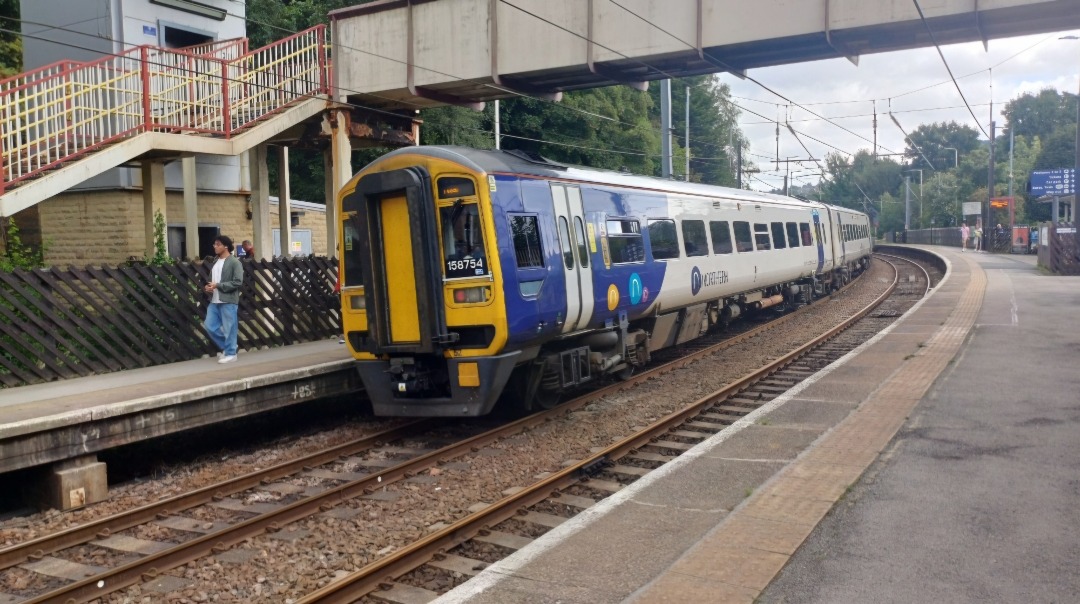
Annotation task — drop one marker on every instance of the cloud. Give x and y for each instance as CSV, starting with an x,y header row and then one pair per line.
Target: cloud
x,y
914,84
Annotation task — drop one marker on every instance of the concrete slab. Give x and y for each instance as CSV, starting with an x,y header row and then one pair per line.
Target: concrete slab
x,y
123,543
63,569
166,584
459,564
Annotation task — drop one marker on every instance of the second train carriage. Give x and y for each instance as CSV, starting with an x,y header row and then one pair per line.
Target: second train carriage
x,y
469,273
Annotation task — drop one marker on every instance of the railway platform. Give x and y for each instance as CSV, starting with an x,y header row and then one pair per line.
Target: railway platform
x,y
934,463
63,424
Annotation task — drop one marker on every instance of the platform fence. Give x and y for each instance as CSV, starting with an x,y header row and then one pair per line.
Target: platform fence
x,y
60,323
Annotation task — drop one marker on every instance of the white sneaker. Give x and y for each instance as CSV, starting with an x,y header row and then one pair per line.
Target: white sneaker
x,y
227,359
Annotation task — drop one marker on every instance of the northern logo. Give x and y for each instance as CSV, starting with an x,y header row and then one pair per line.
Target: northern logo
x,y
695,281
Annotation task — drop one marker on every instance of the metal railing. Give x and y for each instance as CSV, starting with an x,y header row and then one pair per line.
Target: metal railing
x,y
60,112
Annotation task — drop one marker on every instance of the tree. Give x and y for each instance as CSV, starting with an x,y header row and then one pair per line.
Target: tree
x,y
936,142
10,43
1042,114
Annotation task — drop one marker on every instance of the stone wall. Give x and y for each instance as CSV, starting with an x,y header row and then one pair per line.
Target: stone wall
x,y
106,227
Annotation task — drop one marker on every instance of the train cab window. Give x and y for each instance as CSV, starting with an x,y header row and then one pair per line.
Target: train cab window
x,y
792,234
778,235
352,256
694,241
744,240
463,241
804,229
662,236
582,243
721,237
625,242
526,234
564,240
761,237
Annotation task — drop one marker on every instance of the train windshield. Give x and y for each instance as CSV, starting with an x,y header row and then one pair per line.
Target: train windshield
x,y
463,241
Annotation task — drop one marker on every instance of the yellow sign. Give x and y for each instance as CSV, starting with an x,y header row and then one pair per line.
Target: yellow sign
x,y
612,297
592,238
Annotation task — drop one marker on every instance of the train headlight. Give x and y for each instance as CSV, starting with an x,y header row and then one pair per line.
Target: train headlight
x,y
468,295
358,302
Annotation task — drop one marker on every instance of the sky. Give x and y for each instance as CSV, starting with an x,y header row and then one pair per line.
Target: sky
x,y
915,83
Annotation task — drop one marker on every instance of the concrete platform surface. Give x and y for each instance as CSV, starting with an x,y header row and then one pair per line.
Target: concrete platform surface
x,y
985,459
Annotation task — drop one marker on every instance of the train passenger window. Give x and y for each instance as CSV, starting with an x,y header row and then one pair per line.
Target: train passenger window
x,y
694,240
721,237
804,228
793,234
564,240
665,243
526,233
582,243
761,237
744,241
778,235
625,241
463,241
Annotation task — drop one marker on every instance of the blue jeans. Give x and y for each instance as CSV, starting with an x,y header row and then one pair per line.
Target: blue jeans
x,y
221,325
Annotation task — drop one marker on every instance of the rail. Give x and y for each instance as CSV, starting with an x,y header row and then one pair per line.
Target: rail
x,y
63,111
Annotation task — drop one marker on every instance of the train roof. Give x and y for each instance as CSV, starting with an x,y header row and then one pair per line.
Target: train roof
x,y
495,161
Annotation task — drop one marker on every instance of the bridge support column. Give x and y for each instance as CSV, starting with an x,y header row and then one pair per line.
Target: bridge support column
x,y
260,203
338,161
153,186
284,209
191,209
75,483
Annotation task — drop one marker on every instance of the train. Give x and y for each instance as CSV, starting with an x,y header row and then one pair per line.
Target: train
x,y
474,280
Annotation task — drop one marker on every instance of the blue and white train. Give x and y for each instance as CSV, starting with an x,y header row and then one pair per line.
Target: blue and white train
x,y
470,277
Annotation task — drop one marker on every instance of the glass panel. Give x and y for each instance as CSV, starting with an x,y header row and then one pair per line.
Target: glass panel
x,y
694,240
351,257
761,236
744,241
625,243
778,235
583,245
804,229
463,241
527,250
665,243
793,234
721,237
564,240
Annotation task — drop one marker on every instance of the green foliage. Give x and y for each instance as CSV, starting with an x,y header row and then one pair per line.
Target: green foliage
x,y
10,43
1040,114
18,256
161,251
937,143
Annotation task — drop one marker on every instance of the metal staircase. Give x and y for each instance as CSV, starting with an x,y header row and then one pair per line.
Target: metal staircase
x,y
65,122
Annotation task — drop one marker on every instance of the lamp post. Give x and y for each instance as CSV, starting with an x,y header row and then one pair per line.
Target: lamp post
x,y
955,156
1076,161
920,194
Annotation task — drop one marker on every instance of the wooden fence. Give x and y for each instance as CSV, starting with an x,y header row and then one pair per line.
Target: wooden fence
x,y
1060,251
62,323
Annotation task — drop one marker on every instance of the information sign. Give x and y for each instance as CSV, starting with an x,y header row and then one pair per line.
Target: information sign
x,y
972,208
1052,182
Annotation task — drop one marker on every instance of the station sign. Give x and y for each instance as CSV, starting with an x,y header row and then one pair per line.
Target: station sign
x,y
972,208
1052,182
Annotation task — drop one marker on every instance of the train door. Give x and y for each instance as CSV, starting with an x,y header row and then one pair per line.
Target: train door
x,y
570,218
820,242
843,240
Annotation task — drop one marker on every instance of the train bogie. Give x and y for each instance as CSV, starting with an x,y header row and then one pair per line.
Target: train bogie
x,y
473,275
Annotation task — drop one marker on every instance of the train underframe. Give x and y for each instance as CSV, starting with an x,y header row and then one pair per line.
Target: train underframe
x,y
540,377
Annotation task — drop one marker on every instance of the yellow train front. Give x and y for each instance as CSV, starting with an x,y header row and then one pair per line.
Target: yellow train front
x,y
420,284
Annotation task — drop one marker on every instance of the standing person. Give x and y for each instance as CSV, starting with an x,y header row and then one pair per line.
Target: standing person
x,y
249,250
965,232
978,238
226,277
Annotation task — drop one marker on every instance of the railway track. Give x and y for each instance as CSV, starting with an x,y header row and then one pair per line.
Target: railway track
x,y
222,518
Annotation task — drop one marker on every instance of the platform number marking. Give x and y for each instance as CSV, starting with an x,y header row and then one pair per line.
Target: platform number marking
x,y
300,393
